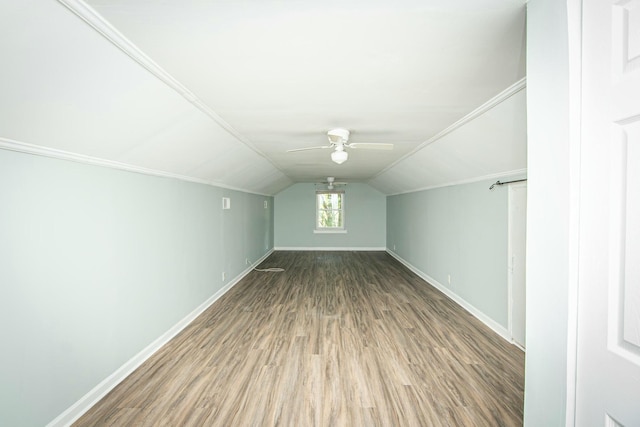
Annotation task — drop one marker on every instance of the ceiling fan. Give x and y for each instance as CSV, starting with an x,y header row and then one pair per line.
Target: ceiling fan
x,y
339,140
331,183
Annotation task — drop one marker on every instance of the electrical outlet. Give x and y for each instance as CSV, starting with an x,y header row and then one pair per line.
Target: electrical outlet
x,y
246,261
394,247
449,278
224,276
266,204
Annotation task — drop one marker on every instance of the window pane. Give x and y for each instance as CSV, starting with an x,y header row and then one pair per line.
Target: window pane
x,y
330,201
329,218
336,200
335,219
323,219
329,207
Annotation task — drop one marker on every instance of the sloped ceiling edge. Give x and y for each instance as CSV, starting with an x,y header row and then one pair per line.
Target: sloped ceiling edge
x,y
458,154
276,185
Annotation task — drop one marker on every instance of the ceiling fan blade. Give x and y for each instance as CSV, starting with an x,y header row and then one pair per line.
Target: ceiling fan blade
x,y
308,148
371,145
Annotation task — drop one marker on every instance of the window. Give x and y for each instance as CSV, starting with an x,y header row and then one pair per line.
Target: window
x,y
330,211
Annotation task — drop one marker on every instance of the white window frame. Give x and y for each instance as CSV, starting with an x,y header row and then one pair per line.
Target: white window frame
x,y
330,230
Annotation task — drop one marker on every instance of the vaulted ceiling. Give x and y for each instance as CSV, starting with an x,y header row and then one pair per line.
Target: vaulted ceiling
x,y
218,91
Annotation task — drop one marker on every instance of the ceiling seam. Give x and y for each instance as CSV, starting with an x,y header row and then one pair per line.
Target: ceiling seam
x,y
496,100
115,37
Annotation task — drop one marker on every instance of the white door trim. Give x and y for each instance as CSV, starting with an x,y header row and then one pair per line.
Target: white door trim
x,y
574,30
510,207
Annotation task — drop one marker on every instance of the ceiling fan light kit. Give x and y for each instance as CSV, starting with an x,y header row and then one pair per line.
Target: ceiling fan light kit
x,y
339,156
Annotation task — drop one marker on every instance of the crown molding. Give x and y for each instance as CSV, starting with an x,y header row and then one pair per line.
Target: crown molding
x,y
23,147
466,181
115,37
496,100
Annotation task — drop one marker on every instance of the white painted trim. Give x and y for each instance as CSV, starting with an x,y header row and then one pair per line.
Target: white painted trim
x,y
337,231
85,403
495,326
328,248
509,263
509,282
467,181
24,147
510,208
574,30
499,98
108,31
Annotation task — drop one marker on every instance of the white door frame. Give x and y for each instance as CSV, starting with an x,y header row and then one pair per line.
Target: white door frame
x,y
574,30
510,191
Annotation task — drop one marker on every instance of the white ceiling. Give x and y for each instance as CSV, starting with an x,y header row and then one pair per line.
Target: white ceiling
x,y
217,91
490,145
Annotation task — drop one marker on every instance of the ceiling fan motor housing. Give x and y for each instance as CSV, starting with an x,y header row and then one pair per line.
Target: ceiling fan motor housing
x,y
338,136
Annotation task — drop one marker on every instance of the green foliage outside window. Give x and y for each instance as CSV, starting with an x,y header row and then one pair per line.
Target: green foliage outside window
x,y
330,210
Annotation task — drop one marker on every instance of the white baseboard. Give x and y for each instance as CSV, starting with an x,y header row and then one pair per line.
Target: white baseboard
x,y
98,392
334,248
495,326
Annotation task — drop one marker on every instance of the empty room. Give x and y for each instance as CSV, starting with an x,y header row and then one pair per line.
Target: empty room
x,y
302,213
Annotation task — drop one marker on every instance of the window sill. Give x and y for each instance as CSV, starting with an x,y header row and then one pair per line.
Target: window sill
x,y
338,231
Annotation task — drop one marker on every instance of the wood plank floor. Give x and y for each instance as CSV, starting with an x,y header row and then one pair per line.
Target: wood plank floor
x,y
338,339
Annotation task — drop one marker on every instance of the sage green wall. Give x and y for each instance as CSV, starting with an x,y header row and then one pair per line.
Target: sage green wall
x,y
295,216
98,263
460,231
